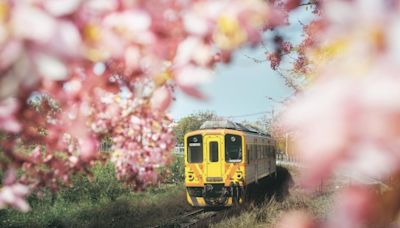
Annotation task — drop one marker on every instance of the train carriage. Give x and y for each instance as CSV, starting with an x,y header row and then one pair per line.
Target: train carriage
x,y
222,159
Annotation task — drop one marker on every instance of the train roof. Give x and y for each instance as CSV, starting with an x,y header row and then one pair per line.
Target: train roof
x,y
227,124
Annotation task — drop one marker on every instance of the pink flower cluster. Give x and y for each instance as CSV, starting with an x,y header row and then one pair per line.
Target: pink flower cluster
x,y
69,56
13,193
141,135
347,120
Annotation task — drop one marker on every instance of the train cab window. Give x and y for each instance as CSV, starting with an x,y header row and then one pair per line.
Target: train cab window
x,y
195,149
233,148
213,151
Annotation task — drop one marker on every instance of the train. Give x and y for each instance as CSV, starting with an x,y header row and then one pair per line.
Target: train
x,y
222,159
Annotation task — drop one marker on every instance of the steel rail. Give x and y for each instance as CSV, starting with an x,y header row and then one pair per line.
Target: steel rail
x,y
178,220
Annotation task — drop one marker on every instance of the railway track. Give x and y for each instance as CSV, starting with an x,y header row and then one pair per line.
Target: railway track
x,y
190,219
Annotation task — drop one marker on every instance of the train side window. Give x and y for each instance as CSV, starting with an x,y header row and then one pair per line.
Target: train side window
x,y
262,151
195,149
251,156
233,148
274,151
265,151
252,152
213,151
248,153
258,151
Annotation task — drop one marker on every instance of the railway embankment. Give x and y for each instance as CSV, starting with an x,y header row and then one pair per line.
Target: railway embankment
x,y
266,201
276,197
104,202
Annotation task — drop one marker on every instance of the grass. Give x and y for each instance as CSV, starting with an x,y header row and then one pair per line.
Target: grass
x,y
104,202
128,210
279,196
268,213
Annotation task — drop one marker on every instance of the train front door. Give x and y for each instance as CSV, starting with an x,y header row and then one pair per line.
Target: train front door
x,y
213,152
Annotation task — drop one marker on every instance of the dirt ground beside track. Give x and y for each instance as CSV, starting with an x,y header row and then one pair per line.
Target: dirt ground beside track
x,y
267,200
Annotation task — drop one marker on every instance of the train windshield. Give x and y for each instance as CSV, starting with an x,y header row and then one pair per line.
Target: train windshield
x,y
233,148
195,149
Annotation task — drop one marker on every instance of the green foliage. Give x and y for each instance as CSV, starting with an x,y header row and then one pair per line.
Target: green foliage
x,y
192,123
104,185
102,202
177,170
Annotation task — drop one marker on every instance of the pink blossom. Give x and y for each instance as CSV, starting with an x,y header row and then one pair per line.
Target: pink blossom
x,y
193,50
353,207
346,121
196,24
296,219
193,92
8,121
61,7
88,149
191,75
161,99
10,53
14,196
51,67
291,4
12,193
42,25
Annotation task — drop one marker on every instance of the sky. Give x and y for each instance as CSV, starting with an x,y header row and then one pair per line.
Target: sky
x,y
240,89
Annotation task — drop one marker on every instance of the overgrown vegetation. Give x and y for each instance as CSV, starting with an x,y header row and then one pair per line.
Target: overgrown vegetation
x,y
274,197
268,213
102,202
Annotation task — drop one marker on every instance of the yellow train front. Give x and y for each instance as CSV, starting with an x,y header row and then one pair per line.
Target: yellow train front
x,y
222,159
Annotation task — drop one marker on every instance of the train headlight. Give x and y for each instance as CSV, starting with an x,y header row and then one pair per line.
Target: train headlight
x,y
239,175
190,177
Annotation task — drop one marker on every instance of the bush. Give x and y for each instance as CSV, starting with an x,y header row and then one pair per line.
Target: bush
x,y
178,169
175,172
104,184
